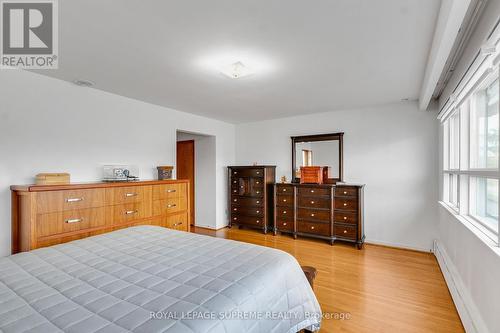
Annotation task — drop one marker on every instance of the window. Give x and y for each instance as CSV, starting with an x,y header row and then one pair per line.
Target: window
x,y
471,155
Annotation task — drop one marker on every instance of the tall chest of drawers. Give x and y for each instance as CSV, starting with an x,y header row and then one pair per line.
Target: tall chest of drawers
x,y
44,215
330,212
251,196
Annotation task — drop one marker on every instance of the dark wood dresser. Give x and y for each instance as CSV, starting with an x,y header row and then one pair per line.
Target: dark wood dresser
x,y
330,212
251,196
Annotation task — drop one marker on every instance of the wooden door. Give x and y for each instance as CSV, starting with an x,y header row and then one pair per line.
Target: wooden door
x,y
185,169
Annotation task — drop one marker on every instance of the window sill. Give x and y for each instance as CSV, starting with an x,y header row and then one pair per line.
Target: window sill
x,y
478,230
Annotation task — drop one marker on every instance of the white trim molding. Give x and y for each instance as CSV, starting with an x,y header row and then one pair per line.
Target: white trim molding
x,y
467,310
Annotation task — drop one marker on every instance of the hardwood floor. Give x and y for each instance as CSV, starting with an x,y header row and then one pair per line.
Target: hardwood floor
x,y
382,289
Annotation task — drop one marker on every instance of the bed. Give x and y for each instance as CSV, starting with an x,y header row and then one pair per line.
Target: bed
x,y
153,279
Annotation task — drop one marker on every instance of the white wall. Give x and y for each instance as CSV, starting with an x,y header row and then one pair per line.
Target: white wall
x,y
205,184
392,149
48,125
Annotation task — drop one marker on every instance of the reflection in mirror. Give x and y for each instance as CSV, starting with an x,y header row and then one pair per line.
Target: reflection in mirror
x,y
318,153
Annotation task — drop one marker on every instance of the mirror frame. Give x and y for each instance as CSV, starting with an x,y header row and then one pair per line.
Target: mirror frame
x,y
320,137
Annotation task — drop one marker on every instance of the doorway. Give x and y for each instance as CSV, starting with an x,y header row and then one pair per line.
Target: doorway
x,y
196,161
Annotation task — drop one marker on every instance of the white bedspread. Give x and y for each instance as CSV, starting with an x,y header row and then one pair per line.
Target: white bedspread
x,y
151,279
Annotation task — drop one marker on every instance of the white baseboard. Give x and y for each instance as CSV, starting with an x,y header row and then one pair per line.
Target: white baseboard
x,y
467,310
397,245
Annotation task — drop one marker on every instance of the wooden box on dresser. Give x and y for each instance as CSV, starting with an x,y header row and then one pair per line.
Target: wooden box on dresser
x,y
251,196
330,212
44,215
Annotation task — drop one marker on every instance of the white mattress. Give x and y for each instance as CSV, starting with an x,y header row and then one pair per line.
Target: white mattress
x,y
143,279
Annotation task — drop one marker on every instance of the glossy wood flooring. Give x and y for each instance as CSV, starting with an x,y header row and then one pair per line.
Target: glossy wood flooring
x,y
382,289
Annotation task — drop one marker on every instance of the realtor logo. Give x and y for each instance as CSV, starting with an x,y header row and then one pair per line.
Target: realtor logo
x,y
29,34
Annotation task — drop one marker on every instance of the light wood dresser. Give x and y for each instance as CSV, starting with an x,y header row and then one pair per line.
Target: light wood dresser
x,y
45,215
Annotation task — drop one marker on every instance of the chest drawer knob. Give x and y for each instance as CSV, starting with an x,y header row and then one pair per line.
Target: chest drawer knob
x,y
312,228
284,190
234,191
235,173
257,192
345,192
235,209
234,181
258,201
258,172
235,200
284,200
258,211
312,202
345,204
73,220
345,231
257,183
312,215
284,223
74,199
345,217
235,218
130,212
128,195
258,221
312,191
241,186
284,212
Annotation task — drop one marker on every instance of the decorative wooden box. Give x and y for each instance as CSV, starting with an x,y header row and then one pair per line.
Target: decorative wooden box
x,y
311,175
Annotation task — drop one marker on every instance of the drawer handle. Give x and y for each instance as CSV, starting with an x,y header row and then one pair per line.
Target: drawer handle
x,y
131,195
284,190
234,181
284,224
235,173
130,212
74,199
171,191
284,212
345,192
345,231
258,211
235,200
257,192
235,209
312,202
171,205
258,221
312,215
176,224
235,218
234,191
73,220
312,191
241,186
258,172
257,183
284,200
312,228
258,201
345,217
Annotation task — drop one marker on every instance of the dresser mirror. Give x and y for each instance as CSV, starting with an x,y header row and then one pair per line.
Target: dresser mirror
x,y
325,150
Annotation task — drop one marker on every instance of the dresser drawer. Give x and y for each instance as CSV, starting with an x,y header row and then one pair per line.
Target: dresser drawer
x,y
119,195
247,201
168,191
251,211
346,191
343,231
177,222
345,217
169,206
284,189
55,201
247,220
313,214
68,221
284,225
346,204
313,191
284,200
312,202
284,212
257,172
127,213
322,229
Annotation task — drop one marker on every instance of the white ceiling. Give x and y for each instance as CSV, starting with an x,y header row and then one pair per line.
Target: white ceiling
x,y
309,56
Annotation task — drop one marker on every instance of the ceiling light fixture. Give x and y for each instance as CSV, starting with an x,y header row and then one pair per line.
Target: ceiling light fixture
x,y
236,70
